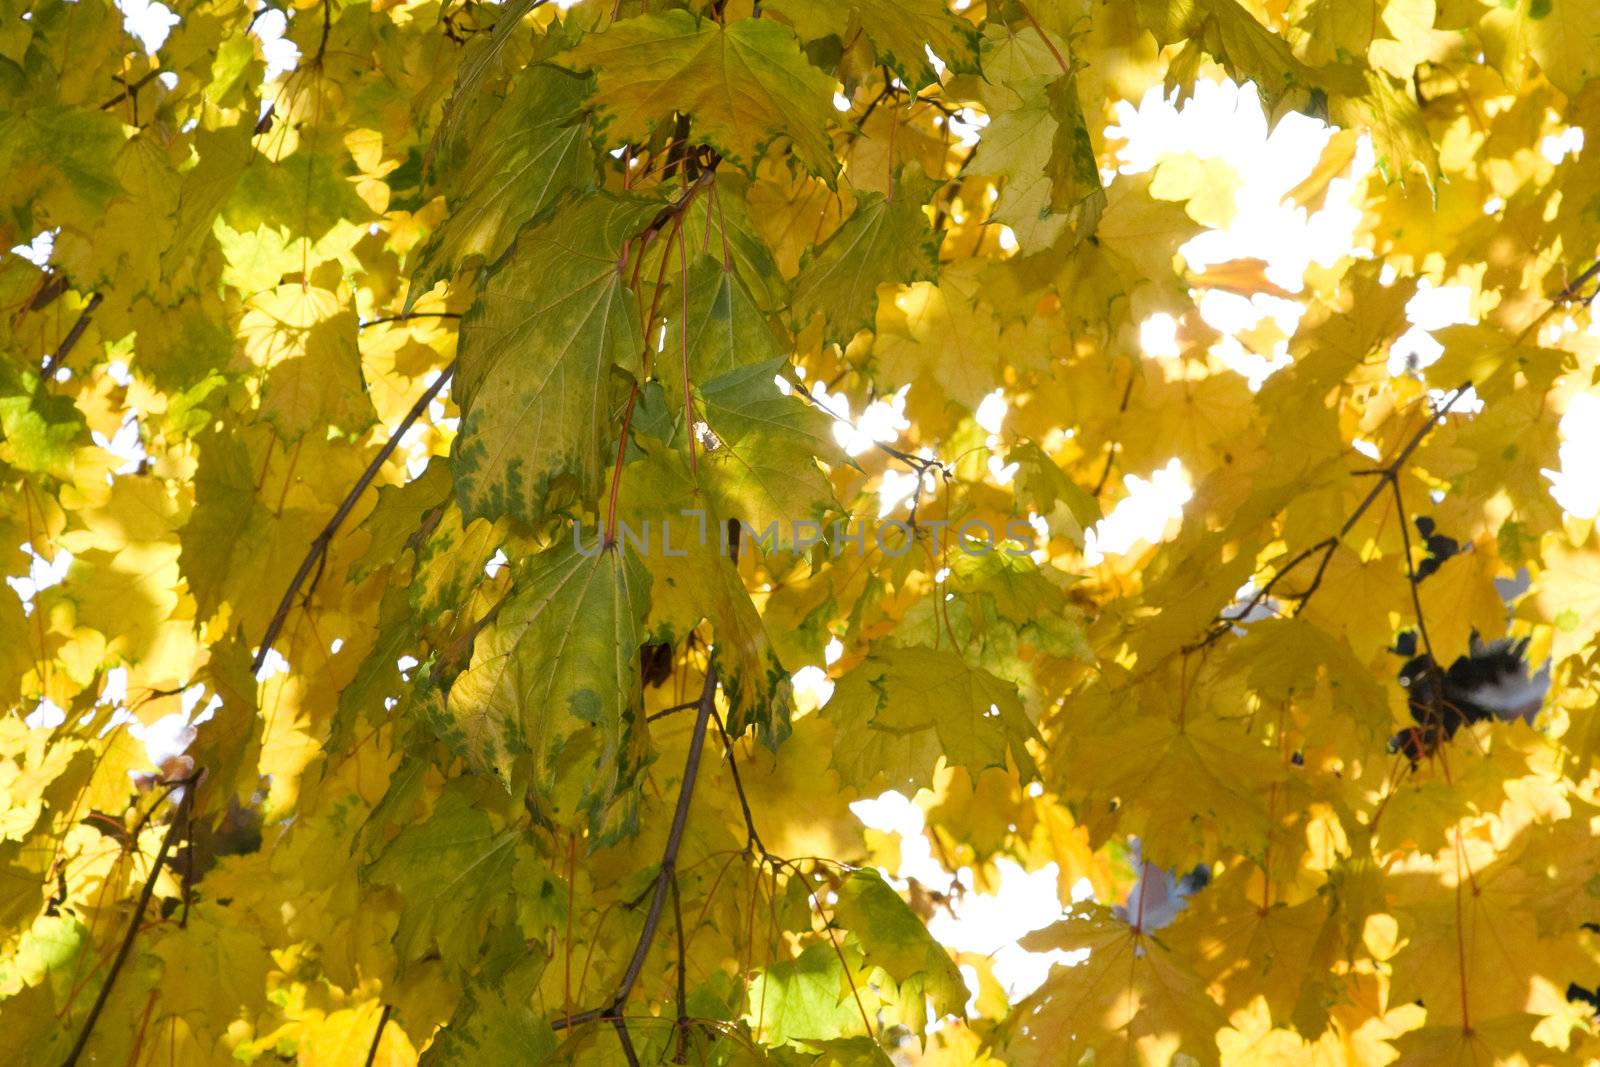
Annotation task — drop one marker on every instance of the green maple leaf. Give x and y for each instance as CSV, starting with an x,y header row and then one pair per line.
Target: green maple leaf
x,y
903,709
727,329
807,997
893,938
762,467
225,502
40,432
231,957
902,32
533,150
693,580
495,1023
453,872
743,85
536,355
400,515
886,239
556,678
1042,148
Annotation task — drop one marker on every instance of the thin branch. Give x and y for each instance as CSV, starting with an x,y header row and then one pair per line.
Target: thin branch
x,y
377,1035
683,344
669,855
664,875
621,1026
683,994
920,464
1066,68
1328,545
1111,450
134,923
616,475
1570,293
754,841
412,315
664,712
319,547
1411,570
131,88
68,342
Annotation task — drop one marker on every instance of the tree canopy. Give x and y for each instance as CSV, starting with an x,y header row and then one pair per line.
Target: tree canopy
x,y
485,486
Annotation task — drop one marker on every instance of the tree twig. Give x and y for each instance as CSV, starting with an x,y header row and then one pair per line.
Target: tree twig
x,y
1570,292
377,1035
121,958
665,875
754,839
130,88
412,315
683,981
1327,546
319,546
664,712
64,349
1111,449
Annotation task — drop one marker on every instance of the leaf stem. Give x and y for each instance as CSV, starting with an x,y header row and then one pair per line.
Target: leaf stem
x,y
1066,68
616,475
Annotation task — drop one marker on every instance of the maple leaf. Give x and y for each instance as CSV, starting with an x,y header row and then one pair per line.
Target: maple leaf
x,y
1568,593
693,580
1041,147
1152,768
744,85
452,871
903,709
1130,1001
543,347
762,467
726,328
532,153
892,937
886,239
556,678
901,33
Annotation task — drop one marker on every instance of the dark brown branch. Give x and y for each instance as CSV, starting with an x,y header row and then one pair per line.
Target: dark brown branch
x,y
621,1026
412,315
664,875
64,349
117,963
664,712
327,27
48,292
377,1035
130,88
1570,293
1390,472
754,839
669,855
1111,450
319,547
683,981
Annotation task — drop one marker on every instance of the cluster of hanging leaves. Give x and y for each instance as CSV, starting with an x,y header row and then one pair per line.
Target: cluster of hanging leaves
x,y
442,784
